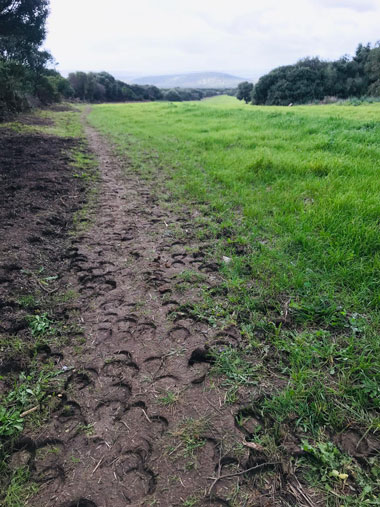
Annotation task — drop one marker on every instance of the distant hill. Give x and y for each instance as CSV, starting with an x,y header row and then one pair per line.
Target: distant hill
x,y
192,80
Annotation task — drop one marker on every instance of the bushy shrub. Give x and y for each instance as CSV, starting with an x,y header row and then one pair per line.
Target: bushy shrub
x,y
12,89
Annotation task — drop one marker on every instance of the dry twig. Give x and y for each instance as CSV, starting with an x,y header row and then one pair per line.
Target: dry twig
x,y
30,411
242,472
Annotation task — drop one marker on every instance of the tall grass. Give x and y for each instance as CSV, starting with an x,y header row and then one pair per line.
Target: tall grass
x,y
305,179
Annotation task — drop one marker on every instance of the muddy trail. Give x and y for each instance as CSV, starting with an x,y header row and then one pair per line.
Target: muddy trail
x,y
140,446
140,420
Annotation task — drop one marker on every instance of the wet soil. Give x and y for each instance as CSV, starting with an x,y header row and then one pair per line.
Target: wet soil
x,y
140,420
38,199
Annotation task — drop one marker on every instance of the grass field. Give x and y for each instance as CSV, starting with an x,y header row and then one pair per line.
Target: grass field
x,y
292,196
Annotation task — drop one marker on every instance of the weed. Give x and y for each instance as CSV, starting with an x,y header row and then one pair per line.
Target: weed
x,y
88,429
325,464
40,325
191,501
10,422
170,398
27,392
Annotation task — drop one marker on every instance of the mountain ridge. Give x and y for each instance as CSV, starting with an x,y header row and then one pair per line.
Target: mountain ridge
x,y
191,80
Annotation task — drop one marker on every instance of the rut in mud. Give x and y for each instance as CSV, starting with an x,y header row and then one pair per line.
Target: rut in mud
x,y
140,420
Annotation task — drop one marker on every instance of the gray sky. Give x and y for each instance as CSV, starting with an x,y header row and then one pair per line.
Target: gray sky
x,y
242,37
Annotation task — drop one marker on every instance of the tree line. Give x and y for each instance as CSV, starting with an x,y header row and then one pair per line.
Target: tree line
x,y
27,80
103,87
312,79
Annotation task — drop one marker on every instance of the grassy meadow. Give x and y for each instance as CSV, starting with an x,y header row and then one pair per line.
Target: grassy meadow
x,y
292,196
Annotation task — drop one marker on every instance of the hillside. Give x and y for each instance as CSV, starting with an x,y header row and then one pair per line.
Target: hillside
x,y
192,80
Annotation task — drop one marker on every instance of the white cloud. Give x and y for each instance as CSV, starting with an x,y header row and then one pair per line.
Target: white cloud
x,y
356,5
246,37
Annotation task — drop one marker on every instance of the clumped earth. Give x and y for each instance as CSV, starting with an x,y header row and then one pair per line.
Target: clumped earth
x,y
38,199
138,416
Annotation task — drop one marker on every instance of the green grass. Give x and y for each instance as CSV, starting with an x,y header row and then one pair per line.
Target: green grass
x,y
169,398
65,123
306,184
20,488
191,438
292,196
236,370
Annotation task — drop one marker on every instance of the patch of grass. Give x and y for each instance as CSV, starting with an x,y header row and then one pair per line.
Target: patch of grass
x,y
169,398
20,488
65,123
45,451
191,501
83,218
191,436
191,276
236,370
85,165
20,128
69,295
27,301
29,391
10,345
88,429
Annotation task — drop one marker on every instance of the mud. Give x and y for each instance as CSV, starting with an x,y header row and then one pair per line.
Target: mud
x,y
140,421
38,199
119,444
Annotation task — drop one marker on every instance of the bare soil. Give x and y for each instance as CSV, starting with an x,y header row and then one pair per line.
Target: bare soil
x,y
140,421
38,199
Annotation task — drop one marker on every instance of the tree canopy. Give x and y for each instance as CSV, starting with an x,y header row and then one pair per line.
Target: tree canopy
x,y
22,30
312,79
244,91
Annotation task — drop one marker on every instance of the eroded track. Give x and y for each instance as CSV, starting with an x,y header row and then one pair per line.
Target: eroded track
x,y
140,421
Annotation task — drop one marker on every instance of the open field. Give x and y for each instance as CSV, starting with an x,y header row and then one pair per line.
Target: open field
x,y
189,306
292,196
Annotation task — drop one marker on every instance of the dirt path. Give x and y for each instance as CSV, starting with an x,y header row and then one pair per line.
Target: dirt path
x,y
140,422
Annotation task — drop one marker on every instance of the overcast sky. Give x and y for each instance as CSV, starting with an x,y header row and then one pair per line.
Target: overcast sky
x,y
243,37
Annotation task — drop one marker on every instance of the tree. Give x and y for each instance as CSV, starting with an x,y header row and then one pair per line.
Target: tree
x,y
22,29
244,91
152,92
78,82
372,68
172,95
